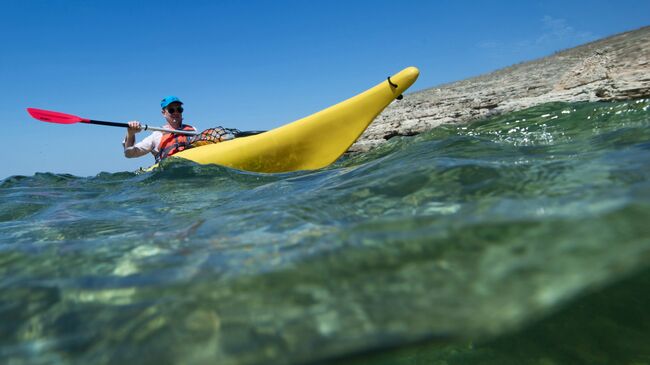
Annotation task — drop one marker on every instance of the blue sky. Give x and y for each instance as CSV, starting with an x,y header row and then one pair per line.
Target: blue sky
x,y
249,64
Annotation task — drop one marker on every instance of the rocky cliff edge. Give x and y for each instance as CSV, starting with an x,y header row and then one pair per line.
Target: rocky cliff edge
x,y
613,68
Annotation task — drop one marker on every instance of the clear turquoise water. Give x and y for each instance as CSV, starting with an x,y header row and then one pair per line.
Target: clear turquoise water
x,y
521,239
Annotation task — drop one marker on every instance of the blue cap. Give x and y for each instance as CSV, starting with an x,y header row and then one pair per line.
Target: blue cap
x,y
168,100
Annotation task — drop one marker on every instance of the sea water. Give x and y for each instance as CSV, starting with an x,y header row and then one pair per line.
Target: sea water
x,y
520,239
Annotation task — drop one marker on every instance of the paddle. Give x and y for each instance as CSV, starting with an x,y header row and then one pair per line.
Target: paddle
x,y
62,118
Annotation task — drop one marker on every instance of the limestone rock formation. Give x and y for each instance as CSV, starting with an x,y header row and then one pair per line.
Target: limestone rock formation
x,y
614,68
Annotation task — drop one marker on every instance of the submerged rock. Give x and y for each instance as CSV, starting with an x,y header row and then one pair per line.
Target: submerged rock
x,y
613,68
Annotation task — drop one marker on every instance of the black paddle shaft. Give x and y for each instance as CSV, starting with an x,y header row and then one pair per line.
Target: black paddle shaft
x,y
110,124
145,127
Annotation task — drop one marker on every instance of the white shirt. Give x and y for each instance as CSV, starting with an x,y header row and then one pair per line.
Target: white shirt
x,y
150,144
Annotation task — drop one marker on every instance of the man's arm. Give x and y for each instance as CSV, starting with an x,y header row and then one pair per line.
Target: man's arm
x,y
131,149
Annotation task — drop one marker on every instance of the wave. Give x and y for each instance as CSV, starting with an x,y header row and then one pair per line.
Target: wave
x,y
461,245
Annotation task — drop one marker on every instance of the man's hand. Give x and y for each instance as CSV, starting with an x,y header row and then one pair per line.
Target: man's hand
x,y
134,127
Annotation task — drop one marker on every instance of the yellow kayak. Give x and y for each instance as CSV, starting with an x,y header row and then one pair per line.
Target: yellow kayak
x,y
309,143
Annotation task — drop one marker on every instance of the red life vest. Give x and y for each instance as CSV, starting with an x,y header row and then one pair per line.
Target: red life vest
x,y
171,143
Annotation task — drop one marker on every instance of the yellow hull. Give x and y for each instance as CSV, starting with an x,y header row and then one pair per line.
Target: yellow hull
x,y
309,143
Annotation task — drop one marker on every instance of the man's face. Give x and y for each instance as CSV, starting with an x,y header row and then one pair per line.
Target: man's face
x,y
173,113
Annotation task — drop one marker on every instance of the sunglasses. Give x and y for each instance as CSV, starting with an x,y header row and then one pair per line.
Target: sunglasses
x,y
174,110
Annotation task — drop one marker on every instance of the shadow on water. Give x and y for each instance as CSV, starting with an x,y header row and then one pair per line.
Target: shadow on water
x,y
607,326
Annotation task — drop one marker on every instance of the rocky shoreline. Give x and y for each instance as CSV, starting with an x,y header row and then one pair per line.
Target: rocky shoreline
x,y
610,69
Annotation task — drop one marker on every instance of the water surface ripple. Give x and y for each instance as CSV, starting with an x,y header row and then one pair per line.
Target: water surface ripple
x,y
464,245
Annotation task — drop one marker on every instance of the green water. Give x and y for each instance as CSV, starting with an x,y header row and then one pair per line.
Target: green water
x,y
521,239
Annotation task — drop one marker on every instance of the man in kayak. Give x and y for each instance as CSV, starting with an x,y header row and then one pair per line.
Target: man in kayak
x,y
160,144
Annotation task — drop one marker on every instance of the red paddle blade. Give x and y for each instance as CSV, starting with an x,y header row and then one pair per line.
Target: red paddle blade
x,y
54,117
